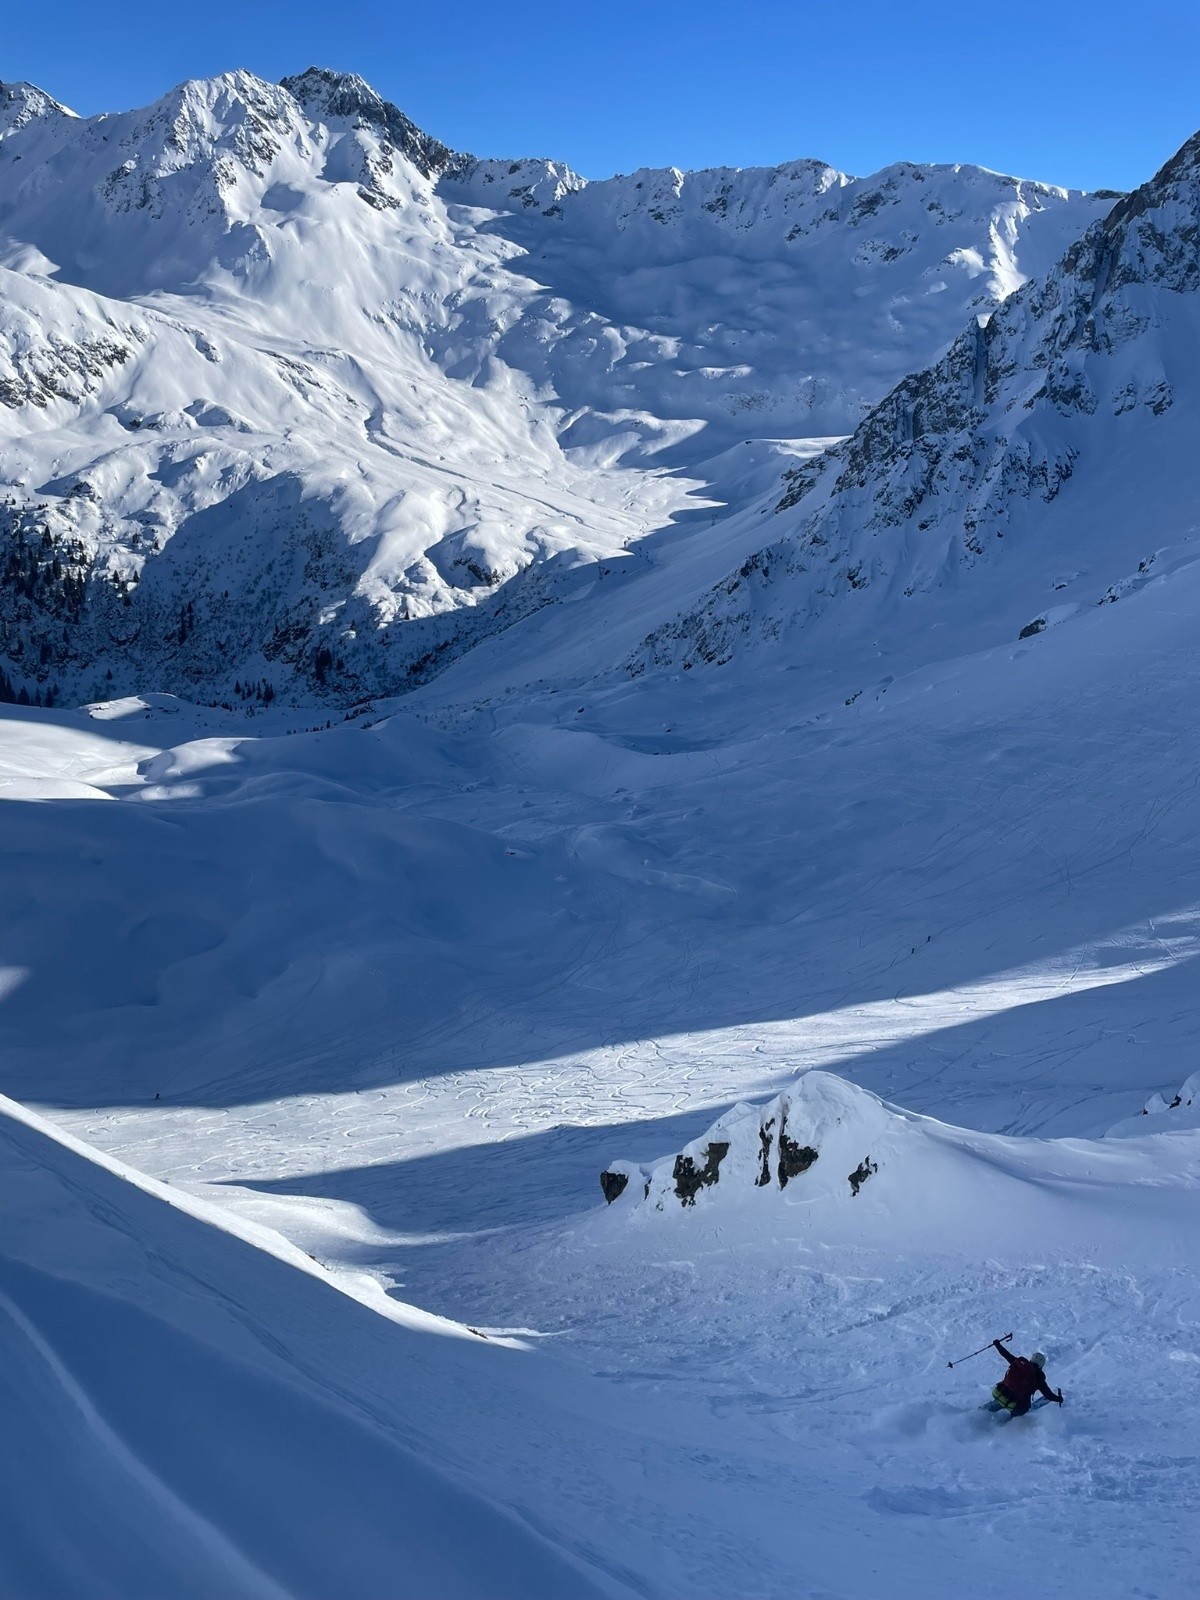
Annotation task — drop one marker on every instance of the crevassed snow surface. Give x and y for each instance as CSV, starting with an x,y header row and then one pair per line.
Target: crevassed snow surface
x,y
598,895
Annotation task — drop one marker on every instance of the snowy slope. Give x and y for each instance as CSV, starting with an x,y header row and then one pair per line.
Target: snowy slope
x,y
274,1437
402,989
187,1415
293,398
375,1029
1045,466
776,301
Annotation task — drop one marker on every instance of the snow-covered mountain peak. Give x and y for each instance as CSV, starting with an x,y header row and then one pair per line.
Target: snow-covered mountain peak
x,y
1019,452
283,310
22,103
344,97
1156,229
205,122
198,182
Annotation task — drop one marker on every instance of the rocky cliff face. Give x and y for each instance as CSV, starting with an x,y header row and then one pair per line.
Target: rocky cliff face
x,y
336,99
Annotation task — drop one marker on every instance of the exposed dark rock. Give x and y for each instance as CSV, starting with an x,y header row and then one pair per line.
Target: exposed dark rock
x,y
1036,626
57,369
764,1171
613,1185
690,1179
794,1157
344,94
861,1173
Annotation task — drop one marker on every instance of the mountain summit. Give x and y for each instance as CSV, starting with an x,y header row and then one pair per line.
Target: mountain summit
x,y
295,398
332,97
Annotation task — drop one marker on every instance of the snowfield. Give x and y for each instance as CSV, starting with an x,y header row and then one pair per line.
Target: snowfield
x,y
788,835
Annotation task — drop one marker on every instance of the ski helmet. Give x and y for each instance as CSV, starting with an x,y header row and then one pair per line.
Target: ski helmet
x,y
1038,1359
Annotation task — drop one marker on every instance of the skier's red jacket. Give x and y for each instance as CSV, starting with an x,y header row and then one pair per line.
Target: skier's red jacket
x,y
1024,1378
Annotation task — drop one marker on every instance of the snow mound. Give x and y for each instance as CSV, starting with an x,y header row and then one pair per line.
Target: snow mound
x,y
834,1156
822,1138
1176,1115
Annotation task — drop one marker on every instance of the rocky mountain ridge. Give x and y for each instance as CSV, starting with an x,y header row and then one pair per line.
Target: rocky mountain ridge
x,y
294,399
1049,447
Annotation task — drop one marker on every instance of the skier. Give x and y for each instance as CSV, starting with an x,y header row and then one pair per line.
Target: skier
x,y
1020,1383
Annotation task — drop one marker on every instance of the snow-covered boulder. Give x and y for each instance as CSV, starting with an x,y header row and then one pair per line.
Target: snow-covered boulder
x,y
1162,1115
822,1136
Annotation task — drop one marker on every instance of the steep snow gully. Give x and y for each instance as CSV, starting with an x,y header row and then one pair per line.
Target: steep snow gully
x,y
546,1132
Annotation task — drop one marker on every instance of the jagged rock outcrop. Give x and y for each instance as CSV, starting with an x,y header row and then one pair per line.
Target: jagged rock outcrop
x,y
332,97
1173,1112
1184,1098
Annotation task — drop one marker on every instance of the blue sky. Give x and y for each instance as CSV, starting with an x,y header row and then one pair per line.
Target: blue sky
x,y
1090,95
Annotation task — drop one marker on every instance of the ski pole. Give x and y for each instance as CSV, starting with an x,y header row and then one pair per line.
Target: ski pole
x,y
978,1352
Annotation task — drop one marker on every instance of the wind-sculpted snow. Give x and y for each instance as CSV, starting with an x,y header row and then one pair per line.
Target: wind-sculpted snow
x,y
342,402
178,1425
1053,435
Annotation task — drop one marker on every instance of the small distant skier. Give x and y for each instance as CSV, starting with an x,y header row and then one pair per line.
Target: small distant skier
x,y
1025,1378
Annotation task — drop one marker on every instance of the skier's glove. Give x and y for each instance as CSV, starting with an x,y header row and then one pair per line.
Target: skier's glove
x,y
1058,1398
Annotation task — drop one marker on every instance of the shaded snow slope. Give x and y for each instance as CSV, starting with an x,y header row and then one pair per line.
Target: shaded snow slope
x,y
295,402
772,301
188,1416
658,888
753,1358
405,989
